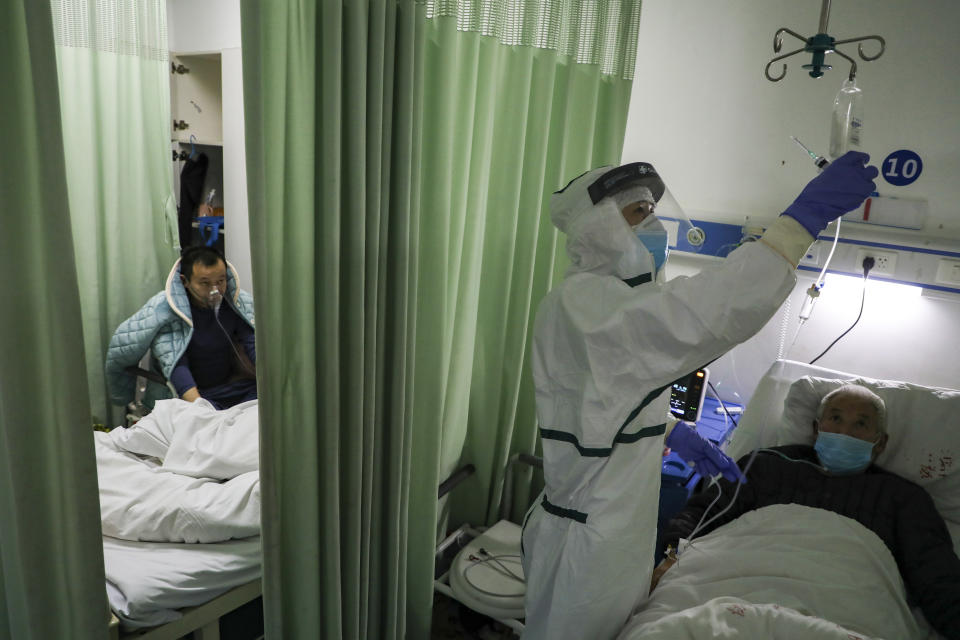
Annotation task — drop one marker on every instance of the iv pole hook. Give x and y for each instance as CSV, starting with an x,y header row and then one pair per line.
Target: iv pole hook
x,y
820,45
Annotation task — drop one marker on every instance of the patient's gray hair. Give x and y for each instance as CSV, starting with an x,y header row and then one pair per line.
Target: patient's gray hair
x,y
862,393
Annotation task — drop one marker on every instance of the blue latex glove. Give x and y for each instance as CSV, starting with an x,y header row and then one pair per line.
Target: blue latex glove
x,y
842,187
706,456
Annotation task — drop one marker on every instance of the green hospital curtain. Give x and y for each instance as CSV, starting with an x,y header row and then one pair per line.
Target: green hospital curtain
x,y
114,82
51,557
332,106
529,95
399,158
520,98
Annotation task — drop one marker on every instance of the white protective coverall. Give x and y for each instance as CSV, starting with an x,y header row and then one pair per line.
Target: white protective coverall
x,y
604,357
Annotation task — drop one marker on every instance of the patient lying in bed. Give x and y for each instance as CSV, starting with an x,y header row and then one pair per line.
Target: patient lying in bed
x,y
899,512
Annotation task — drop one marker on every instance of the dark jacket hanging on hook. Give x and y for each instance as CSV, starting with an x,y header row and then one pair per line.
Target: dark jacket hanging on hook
x,y
191,186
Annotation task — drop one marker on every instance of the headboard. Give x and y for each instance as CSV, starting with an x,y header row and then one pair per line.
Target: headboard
x,y
923,424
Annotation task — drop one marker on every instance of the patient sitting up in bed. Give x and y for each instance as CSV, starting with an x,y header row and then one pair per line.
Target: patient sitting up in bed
x,y
837,474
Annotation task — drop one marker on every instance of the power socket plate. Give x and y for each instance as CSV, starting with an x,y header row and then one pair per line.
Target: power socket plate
x,y
948,271
885,262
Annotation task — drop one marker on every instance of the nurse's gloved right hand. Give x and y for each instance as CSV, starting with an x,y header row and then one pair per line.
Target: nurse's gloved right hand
x,y
706,456
842,187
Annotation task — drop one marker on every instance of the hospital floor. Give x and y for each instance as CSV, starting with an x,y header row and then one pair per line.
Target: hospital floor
x,y
453,620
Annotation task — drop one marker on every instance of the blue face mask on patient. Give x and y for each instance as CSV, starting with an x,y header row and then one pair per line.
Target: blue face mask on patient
x,y
843,455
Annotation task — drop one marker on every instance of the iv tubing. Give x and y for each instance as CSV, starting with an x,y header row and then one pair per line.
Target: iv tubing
x,y
816,285
702,524
830,255
733,499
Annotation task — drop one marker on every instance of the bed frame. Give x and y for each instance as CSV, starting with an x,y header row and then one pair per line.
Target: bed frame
x,y
203,620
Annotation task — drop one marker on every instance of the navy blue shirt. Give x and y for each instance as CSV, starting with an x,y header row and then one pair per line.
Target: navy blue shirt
x,y
210,360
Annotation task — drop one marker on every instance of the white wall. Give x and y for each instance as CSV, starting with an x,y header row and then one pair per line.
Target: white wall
x,y
237,240
214,26
913,340
203,25
717,130
704,114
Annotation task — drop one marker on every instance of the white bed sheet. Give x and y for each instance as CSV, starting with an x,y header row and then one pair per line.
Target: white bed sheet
x,y
148,581
784,571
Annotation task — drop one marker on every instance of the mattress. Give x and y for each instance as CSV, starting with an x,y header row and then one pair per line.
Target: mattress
x,y
148,581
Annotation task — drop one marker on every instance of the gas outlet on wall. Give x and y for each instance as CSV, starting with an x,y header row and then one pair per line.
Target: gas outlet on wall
x,y
812,257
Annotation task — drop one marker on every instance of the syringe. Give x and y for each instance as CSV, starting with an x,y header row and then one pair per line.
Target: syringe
x,y
814,291
819,161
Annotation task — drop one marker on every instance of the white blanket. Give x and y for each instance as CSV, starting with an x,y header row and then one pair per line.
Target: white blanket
x,y
185,473
784,571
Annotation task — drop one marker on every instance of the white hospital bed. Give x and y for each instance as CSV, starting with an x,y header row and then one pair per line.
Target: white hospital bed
x,y
180,512
202,621
793,571
160,590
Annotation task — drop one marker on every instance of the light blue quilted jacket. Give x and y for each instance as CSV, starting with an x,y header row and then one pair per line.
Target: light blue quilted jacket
x,y
164,326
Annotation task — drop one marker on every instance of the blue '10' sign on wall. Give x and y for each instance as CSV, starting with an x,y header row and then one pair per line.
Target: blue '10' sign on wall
x,y
902,167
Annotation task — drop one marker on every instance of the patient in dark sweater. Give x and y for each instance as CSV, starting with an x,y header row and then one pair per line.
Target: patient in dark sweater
x,y
220,359
837,474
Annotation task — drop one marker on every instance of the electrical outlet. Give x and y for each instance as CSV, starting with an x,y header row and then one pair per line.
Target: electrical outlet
x,y
885,262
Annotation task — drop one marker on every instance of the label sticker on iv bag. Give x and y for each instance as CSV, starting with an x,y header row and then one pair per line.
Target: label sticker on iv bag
x,y
901,167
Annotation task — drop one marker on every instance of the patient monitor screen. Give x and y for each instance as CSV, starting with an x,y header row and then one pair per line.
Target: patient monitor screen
x,y
686,397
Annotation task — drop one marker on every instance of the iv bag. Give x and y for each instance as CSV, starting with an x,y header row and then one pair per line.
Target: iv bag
x,y
846,125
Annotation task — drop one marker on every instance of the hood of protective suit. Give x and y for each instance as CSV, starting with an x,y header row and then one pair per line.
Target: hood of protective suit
x,y
599,240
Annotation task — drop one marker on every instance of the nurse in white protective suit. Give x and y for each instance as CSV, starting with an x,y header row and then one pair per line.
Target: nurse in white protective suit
x,y
609,342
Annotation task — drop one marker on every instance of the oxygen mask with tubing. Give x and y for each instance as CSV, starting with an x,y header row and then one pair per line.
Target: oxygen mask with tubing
x,y
214,299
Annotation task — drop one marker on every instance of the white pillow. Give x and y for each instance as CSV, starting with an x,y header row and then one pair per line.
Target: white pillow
x,y
923,424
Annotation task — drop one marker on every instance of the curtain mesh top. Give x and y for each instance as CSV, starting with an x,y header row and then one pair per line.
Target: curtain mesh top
x,y
125,27
601,32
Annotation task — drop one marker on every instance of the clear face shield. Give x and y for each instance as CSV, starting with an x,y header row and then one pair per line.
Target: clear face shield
x,y
683,234
649,208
